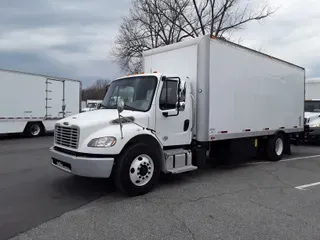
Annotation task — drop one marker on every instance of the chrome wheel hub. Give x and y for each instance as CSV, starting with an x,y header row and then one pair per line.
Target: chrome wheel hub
x,y
141,170
35,130
279,146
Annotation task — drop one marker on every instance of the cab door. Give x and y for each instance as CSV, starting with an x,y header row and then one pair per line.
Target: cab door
x,y
173,127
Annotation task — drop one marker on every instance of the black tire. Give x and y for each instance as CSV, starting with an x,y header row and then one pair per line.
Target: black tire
x,y
34,129
272,153
121,175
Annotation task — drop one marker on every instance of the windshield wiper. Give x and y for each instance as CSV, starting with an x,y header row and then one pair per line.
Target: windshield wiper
x,y
130,108
103,106
114,107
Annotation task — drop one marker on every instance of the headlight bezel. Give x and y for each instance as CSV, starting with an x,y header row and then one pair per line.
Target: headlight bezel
x,y
102,142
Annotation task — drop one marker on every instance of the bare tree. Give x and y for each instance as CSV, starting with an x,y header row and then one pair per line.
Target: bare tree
x,y
154,23
96,91
150,24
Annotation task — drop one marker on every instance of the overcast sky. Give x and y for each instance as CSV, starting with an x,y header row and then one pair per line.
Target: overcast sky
x,y
72,38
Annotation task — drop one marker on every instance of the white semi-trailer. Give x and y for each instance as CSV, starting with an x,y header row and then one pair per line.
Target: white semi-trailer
x,y
32,103
200,97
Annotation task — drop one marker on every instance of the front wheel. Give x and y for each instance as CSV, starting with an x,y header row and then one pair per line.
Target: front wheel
x,y
137,170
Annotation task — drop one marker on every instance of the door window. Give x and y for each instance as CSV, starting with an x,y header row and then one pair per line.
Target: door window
x,y
169,95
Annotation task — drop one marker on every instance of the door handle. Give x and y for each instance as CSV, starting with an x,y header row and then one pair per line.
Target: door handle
x,y
165,114
186,125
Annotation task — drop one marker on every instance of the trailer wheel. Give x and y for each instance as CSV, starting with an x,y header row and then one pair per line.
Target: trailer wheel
x,y
33,129
137,170
275,147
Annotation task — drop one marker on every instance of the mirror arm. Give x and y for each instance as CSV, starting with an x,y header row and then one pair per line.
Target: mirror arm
x,y
120,107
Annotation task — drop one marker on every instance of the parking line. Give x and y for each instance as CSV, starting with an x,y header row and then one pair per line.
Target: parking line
x,y
307,185
284,160
299,158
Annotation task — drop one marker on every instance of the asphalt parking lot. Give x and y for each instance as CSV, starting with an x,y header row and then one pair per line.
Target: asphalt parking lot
x,y
32,192
258,200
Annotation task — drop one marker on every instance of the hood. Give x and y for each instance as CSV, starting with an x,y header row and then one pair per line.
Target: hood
x,y
312,117
311,114
87,109
103,117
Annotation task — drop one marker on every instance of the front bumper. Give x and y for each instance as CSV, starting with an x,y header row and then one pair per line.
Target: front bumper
x,y
314,131
82,166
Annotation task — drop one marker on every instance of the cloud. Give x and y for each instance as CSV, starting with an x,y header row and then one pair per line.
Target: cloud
x,y
68,38
72,38
292,34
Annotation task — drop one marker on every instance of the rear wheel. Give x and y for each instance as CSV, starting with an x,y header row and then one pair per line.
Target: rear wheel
x,y
275,147
137,170
34,129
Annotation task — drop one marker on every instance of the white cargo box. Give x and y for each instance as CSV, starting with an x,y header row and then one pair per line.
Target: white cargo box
x,y
239,92
26,98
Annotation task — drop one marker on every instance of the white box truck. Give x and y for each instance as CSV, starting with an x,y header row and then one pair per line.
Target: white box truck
x,y
200,97
32,103
312,110
91,105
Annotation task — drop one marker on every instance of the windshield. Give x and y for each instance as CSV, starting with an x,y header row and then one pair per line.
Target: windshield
x,y
136,92
312,106
91,105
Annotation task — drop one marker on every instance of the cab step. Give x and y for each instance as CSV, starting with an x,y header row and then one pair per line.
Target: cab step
x,y
182,169
179,161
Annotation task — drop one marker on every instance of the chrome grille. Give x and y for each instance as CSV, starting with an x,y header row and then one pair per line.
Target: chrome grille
x,y
67,136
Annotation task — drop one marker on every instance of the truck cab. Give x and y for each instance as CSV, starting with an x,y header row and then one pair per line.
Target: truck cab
x,y
143,127
312,119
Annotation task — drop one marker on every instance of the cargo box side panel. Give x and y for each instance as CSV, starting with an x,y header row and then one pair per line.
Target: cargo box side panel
x,y
250,93
72,97
22,95
22,99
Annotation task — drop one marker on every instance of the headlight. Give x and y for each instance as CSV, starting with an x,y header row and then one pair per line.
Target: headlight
x,y
103,142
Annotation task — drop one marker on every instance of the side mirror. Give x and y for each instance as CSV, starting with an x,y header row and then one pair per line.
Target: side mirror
x,y
120,105
181,104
